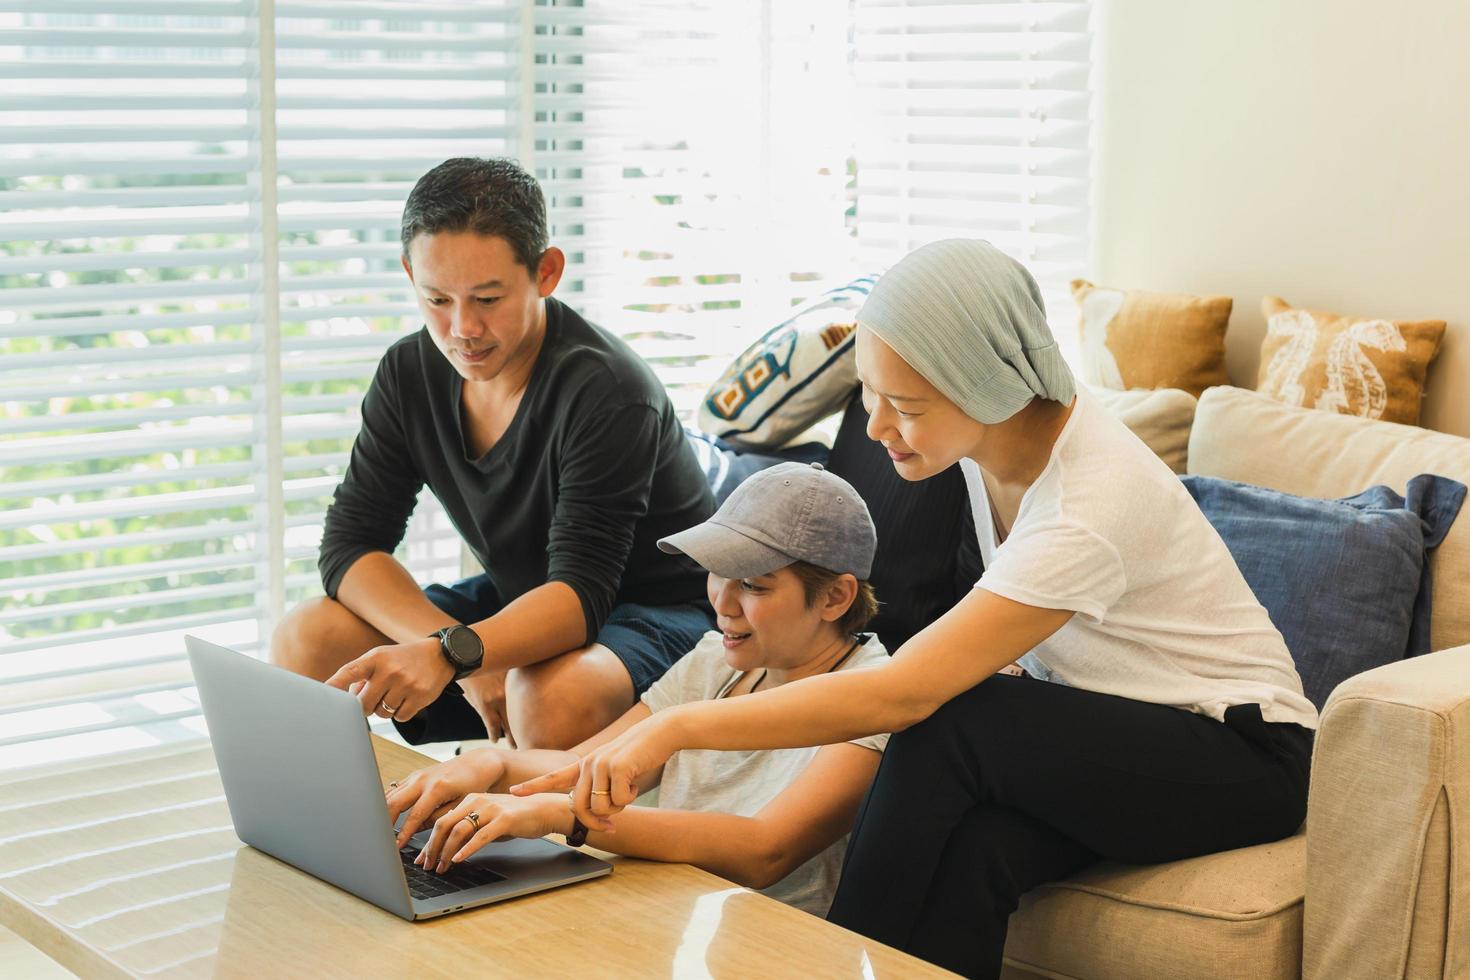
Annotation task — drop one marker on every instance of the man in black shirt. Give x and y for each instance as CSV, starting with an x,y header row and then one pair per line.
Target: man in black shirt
x,y
559,459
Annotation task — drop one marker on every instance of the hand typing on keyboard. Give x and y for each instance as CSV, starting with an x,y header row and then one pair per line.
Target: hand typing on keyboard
x,y
481,818
424,884
428,794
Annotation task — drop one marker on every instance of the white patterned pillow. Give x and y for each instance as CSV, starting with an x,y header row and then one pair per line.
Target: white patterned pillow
x,y
1372,368
798,373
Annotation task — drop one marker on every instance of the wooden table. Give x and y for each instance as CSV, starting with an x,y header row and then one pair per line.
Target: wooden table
x,y
129,867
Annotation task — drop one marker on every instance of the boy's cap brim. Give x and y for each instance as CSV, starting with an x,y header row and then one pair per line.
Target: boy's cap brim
x,y
725,551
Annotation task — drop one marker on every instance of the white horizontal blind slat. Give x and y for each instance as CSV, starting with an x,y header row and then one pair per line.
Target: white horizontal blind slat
x,y
166,673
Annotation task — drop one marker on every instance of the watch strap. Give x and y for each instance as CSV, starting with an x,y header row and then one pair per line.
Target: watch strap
x,y
578,836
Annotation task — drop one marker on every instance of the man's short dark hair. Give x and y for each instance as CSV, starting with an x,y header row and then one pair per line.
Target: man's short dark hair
x,y
487,196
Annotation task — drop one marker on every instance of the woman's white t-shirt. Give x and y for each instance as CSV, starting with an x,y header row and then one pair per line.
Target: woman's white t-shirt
x,y
743,782
1163,612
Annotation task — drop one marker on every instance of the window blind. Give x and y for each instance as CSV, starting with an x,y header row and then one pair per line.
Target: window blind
x,y
130,481
368,96
714,183
974,122
182,354
199,204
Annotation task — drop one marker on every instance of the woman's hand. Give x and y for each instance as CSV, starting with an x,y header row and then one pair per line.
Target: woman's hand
x,y
481,818
605,780
431,792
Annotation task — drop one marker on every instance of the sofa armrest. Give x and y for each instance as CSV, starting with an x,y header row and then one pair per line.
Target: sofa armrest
x,y
1388,842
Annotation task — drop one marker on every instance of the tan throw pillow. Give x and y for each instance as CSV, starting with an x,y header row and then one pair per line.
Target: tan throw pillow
x,y
1351,365
1132,338
1162,418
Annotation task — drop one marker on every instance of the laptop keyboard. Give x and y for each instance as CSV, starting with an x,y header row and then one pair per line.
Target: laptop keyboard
x,y
427,884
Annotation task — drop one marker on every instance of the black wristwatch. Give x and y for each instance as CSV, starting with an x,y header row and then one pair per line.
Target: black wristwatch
x,y
461,646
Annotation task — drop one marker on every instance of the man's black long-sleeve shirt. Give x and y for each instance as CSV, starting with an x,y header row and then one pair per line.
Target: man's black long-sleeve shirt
x,y
591,472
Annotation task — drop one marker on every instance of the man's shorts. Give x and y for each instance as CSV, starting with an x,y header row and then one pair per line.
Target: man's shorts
x,y
647,639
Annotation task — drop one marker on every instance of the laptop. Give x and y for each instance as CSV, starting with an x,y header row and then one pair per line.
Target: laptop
x,y
302,785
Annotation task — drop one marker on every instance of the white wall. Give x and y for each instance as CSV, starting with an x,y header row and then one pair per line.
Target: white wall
x,y
1318,150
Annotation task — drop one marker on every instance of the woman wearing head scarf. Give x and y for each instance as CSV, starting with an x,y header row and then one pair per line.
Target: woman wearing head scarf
x,y
1159,715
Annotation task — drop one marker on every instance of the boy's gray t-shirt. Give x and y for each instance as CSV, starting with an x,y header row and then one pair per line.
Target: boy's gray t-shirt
x,y
742,783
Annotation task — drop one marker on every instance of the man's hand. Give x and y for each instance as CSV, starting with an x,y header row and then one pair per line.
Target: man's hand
x,y
485,691
396,681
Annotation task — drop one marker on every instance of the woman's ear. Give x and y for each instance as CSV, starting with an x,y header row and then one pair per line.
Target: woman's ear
x,y
839,597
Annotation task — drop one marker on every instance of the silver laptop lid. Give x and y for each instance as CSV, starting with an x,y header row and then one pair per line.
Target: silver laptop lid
x,y
299,773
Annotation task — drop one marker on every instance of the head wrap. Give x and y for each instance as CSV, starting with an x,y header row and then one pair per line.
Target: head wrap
x,y
970,319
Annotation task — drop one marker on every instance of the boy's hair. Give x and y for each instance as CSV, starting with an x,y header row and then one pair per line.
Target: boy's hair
x,y
815,581
485,196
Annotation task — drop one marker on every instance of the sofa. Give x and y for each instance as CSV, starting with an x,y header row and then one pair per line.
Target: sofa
x,y
1376,884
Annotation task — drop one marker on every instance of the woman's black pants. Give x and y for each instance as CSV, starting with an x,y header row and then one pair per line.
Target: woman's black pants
x,y
1018,782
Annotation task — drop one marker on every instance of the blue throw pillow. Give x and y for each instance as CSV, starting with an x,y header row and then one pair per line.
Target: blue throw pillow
x,y
1345,581
726,467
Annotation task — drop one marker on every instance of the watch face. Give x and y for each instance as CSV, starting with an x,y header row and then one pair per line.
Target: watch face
x,y
464,645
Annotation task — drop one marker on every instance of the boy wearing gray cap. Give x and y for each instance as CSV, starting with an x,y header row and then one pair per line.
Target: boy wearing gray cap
x,y
788,555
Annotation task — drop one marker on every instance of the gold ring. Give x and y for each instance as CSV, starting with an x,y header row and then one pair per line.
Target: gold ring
x,y
473,818
602,792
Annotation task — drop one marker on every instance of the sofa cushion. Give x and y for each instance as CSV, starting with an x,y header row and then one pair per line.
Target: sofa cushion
x,y
1242,435
1228,915
1161,417
1345,581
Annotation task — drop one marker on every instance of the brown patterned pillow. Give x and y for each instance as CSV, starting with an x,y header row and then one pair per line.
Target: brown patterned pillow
x,y
1132,338
1346,364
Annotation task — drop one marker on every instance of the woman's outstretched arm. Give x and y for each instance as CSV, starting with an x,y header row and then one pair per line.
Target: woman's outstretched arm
x,y
981,634
426,794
